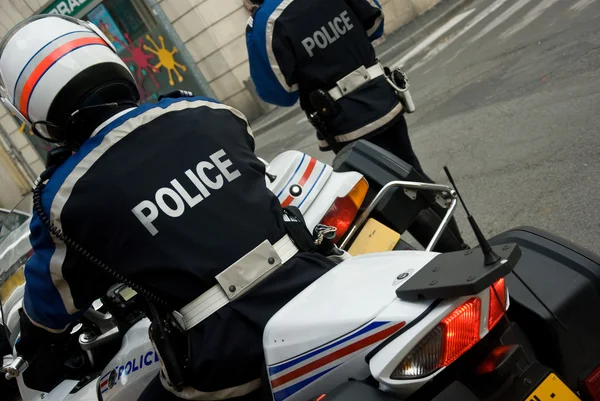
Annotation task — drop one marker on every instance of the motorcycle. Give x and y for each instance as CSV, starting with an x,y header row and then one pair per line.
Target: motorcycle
x,y
484,324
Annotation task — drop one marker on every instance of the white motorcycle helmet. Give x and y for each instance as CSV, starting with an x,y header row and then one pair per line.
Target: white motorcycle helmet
x,y
53,66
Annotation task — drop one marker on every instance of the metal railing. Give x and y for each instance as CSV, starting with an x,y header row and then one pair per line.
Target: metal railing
x,y
447,193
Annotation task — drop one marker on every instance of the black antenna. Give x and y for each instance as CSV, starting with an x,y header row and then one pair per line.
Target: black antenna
x,y
489,256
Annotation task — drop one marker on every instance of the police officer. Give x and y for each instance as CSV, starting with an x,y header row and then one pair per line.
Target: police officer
x,y
166,196
321,53
297,48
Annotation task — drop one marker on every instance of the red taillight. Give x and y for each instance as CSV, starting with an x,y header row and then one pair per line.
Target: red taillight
x,y
497,303
592,384
460,330
454,336
342,212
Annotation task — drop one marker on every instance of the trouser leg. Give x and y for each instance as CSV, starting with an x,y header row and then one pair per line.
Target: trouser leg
x,y
156,392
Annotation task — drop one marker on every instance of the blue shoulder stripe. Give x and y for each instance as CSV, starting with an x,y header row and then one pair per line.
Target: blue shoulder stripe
x,y
267,85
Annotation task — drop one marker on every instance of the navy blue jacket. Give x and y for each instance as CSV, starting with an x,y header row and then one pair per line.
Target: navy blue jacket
x,y
168,195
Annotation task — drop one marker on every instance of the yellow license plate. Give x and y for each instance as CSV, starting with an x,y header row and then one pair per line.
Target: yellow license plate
x,y
552,389
374,237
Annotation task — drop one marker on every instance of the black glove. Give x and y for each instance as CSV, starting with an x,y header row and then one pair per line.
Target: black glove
x,y
34,339
46,354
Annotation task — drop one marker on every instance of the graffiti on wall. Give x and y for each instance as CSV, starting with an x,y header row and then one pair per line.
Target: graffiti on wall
x,y
140,65
166,59
149,61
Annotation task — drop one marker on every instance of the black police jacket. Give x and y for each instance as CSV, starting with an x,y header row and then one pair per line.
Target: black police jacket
x,y
296,47
168,195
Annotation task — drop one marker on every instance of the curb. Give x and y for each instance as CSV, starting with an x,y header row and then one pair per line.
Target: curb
x,y
412,33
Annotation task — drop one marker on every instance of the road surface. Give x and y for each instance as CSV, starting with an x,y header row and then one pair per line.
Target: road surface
x,y
508,96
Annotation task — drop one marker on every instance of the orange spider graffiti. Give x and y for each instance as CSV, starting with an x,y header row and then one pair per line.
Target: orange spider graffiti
x,y
166,59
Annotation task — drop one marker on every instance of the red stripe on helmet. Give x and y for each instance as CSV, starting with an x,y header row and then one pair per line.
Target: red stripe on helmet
x,y
45,65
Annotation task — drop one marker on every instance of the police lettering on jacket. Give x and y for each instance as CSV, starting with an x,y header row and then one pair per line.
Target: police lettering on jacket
x,y
147,211
328,33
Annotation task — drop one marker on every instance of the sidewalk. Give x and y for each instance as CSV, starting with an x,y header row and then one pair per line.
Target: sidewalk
x,y
394,44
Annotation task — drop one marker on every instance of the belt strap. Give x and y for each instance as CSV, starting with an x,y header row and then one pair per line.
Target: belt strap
x,y
355,80
238,278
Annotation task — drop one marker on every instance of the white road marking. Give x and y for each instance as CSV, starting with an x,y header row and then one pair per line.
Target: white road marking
x,y
581,4
432,38
501,18
302,120
478,18
529,17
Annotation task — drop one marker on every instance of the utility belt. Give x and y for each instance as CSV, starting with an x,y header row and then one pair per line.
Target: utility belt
x,y
169,331
325,102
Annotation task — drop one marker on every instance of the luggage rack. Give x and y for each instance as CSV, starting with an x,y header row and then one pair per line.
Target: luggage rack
x,y
447,193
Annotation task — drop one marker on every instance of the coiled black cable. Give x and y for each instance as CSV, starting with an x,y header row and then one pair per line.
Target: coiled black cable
x,y
39,210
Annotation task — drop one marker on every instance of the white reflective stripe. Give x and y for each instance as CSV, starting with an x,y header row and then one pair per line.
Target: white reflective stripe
x,y
41,326
113,137
357,134
374,71
378,23
378,20
323,144
204,306
190,393
351,136
215,298
269,40
110,120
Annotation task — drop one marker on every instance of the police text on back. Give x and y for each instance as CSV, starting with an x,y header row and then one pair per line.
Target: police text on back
x,y
147,211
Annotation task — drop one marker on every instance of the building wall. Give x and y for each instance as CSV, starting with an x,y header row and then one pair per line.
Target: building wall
x,y
214,33
19,160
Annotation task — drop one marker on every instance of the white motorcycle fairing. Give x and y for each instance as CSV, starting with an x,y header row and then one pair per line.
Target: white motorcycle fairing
x,y
319,339
134,366
308,184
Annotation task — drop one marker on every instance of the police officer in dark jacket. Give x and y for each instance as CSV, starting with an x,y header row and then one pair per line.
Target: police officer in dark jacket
x,y
298,48
167,195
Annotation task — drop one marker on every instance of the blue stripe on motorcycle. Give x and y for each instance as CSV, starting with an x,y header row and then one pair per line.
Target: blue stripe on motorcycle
x,y
314,185
279,368
285,393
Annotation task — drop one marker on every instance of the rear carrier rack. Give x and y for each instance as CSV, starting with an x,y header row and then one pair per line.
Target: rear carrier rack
x,y
446,193
448,275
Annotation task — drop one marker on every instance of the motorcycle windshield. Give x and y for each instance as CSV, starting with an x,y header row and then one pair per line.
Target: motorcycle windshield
x,y
15,247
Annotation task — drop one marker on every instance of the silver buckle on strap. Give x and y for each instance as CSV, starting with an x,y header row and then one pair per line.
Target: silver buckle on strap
x,y
354,80
237,279
248,270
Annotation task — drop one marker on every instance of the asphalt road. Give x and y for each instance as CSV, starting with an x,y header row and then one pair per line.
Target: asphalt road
x,y
508,96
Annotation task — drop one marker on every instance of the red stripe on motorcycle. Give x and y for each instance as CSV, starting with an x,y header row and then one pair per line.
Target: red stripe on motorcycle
x,y
350,349
311,166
